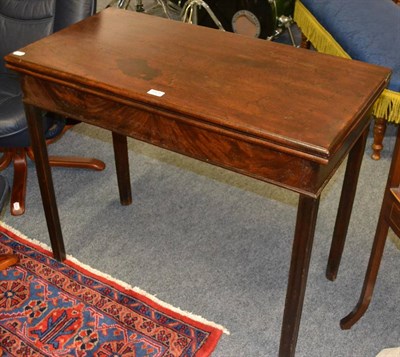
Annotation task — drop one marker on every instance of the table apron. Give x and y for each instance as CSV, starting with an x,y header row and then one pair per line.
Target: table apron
x,y
216,145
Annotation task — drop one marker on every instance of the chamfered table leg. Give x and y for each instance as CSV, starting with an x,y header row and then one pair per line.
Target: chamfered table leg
x,y
35,123
301,253
122,167
345,205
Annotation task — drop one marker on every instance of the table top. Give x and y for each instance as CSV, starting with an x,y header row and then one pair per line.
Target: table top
x,y
293,98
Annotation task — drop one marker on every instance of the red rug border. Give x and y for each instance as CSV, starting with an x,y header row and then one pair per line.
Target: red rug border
x,y
215,332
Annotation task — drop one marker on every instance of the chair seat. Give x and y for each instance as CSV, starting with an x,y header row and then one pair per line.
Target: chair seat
x,y
367,30
13,123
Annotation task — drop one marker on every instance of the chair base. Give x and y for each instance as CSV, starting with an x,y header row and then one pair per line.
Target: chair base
x,y
18,157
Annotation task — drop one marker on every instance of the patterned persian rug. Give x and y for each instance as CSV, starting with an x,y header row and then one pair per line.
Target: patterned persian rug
x,y
48,308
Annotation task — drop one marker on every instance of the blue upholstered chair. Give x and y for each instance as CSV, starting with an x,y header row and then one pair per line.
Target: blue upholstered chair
x,y
367,31
23,22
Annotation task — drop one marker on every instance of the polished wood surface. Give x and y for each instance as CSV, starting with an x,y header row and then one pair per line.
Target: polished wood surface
x,y
8,260
389,217
233,77
282,115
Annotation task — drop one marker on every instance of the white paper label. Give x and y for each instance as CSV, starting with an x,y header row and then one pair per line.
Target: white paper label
x,y
155,92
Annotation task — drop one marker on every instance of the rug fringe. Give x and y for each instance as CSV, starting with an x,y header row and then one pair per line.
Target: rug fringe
x,y
126,286
181,312
31,240
149,296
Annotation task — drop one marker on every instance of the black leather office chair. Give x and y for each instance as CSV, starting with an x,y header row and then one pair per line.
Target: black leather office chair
x,y
23,22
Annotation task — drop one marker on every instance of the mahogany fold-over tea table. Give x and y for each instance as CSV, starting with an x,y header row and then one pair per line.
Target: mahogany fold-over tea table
x,y
279,114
